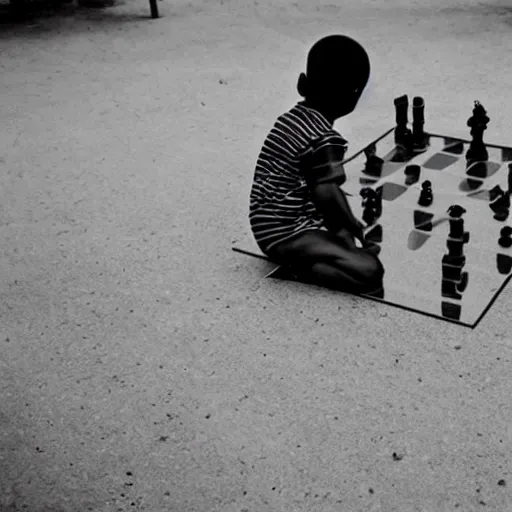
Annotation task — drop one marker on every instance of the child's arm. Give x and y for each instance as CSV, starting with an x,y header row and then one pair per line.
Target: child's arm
x,y
324,174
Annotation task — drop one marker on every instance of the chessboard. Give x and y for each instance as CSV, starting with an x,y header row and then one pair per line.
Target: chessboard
x,y
440,218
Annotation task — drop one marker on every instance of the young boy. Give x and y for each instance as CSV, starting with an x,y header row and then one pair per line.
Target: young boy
x,y
299,215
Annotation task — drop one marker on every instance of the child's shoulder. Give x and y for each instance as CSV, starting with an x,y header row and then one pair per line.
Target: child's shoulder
x,y
331,139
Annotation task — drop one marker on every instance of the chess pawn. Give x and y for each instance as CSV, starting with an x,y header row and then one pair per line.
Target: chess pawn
x,y
426,198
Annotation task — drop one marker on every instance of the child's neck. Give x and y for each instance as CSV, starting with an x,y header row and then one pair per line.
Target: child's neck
x,y
321,109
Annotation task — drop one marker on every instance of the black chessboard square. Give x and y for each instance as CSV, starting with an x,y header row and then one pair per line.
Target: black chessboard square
x,y
439,161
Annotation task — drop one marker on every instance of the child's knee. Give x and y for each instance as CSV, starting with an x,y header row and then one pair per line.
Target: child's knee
x,y
366,267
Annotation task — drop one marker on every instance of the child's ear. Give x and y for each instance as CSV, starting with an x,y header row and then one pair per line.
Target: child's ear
x,y
302,85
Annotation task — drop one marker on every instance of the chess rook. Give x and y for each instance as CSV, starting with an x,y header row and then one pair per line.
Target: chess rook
x,y
418,121
401,108
402,133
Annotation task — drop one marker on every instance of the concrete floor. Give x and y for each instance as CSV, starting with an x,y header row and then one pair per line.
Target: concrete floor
x,y
146,366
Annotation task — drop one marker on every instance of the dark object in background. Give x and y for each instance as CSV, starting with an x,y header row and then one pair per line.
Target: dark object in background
x,y
22,10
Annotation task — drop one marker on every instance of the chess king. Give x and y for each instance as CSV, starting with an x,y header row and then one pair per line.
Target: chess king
x,y
477,151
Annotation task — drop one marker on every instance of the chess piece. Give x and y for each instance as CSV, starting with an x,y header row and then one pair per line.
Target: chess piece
x,y
509,178
374,235
495,192
369,216
499,203
478,124
366,196
453,289
455,211
505,239
463,282
373,165
455,281
419,137
371,203
426,196
412,174
403,135
457,224
457,228
378,201
455,246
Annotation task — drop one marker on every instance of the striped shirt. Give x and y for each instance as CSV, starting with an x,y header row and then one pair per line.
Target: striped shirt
x,y
299,150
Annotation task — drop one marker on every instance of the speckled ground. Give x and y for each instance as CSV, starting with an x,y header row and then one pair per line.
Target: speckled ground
x,y
146,366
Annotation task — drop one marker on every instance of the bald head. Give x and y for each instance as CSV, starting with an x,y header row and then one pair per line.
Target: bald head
x,y
337,62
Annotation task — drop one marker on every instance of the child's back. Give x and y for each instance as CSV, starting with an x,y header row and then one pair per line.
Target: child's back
x,y
280,200
299,215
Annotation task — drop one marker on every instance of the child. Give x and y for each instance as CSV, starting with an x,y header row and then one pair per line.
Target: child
x,y
299,215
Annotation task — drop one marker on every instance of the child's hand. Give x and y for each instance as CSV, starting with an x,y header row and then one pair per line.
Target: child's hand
x,y
347,238
357,231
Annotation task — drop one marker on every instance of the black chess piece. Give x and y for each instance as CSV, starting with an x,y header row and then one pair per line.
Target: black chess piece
x,y
456,228
463,283
419,137
374,235
509,178
457,224
378,201
502,215
500,203
403,135
505,239
478,124
369,215
373,165
449,289
366,195
412,174
426,198
371,203
455,211
495,192
455,254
